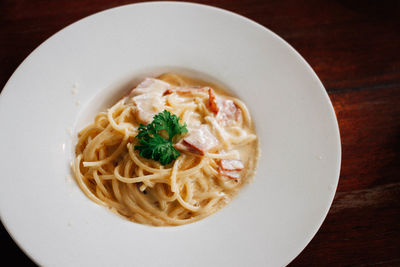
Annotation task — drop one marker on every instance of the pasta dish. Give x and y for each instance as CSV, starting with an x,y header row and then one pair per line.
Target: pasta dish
x,y
172,151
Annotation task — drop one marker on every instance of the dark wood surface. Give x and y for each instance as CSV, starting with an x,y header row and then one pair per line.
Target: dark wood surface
x,y
354,47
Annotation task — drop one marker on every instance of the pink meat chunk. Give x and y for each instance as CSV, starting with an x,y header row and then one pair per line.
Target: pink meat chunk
x,y
225,109
231,165
212,101
149,85
147,99
235,175
228,112
198,141
146,106
230,168
185,90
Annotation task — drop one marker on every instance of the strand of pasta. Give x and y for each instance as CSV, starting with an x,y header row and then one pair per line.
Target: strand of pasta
x,y
85,133
166,171
93,144
82,185
233,154
109,158
158,177
134,207
172,79
221,132
141,164
125,128
185,204
100,184
158,214
174,187
162,194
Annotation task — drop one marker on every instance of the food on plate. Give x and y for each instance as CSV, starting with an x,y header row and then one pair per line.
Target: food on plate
x,y
172,151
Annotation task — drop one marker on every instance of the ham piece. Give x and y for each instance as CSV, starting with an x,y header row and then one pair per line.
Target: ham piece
x,y
149,85
231,165
198,141
230,168
212,101
185,90
228,113
235,175
225,109
147,99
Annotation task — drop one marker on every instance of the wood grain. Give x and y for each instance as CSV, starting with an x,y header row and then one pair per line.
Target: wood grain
x,y
353,46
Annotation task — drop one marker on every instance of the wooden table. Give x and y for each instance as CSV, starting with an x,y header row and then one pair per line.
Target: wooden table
x,y
354,47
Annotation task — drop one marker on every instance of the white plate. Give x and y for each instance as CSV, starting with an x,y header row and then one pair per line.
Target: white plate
x,y
271,220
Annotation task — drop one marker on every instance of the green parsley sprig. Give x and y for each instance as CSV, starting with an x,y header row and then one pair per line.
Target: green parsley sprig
x,y
156,139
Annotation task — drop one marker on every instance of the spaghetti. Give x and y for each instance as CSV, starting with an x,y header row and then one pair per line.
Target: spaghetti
x,y
218,155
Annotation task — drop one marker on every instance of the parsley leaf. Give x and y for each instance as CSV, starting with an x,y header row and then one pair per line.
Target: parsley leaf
x,y
153,144
170,123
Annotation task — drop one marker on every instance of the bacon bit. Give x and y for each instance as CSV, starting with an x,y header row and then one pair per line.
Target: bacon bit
x,y
149,85
146,99
231,165
198,141
168,92
225,110
146,106
228,112
230,168
185,90
185,147
235,175
212,101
